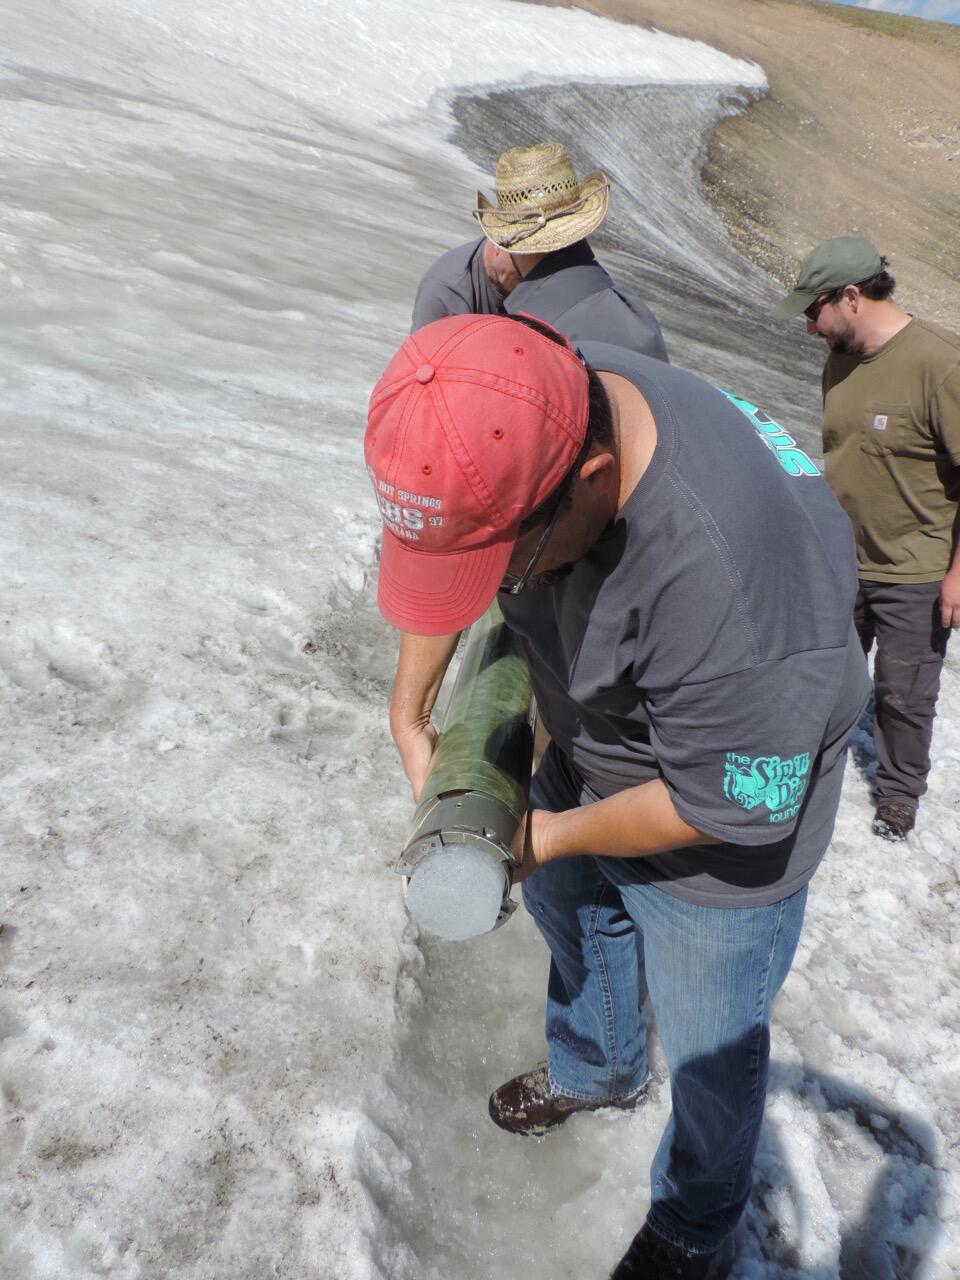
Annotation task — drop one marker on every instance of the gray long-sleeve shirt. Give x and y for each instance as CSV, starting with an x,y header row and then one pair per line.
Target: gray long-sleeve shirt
x,y
456,285
568,289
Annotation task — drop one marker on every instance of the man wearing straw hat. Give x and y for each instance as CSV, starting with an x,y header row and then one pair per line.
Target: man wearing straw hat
x,y
535,260
682,581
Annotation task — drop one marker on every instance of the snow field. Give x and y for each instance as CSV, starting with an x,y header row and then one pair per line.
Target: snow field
x,y
225,1052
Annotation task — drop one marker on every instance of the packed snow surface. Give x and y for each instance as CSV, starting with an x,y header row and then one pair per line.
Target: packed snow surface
x,y
225,1050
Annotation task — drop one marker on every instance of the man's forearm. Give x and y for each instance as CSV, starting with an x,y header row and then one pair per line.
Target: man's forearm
x,y
421,665
634,823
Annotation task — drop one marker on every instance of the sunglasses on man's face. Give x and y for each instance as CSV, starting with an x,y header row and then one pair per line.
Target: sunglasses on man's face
x,y
514,583
813,311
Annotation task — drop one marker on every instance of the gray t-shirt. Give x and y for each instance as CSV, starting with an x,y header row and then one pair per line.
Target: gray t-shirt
x,y
707,639
456,285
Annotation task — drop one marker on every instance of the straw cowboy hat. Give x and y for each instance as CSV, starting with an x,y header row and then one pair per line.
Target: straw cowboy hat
x,y
540,204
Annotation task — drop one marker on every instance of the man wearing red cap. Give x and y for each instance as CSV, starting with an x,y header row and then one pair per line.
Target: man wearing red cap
x,y
683,581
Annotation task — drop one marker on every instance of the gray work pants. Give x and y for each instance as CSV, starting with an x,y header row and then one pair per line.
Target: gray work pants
x,y
904,619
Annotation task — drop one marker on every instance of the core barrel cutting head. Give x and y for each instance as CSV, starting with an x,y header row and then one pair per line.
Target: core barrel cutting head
x,y
458,863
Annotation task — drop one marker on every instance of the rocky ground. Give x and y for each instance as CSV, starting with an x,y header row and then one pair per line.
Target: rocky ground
x,y
860,132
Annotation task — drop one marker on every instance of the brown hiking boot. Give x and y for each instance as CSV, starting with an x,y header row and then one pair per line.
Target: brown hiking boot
x,y
528,1105
893,821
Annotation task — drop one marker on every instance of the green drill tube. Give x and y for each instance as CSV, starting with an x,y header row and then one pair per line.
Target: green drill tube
x,y
475,795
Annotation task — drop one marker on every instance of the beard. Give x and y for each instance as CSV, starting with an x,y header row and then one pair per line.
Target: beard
x,y
844,343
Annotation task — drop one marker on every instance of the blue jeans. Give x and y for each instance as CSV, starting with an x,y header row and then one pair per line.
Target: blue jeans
x,y
710,973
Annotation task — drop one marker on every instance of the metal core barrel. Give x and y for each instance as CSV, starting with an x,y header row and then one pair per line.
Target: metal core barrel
x,y
459,853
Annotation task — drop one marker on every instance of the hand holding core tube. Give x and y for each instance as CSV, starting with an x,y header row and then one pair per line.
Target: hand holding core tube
x,y
459,853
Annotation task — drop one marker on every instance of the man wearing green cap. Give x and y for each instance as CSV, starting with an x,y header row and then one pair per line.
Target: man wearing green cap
x,y
891,444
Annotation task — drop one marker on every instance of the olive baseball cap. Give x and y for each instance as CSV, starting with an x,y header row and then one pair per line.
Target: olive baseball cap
x,y
831,265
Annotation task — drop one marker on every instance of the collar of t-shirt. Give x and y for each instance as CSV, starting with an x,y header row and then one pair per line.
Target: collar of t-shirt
x,y
575,255
868,357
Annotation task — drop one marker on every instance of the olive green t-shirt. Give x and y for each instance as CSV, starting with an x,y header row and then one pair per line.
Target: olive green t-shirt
x,y
891,447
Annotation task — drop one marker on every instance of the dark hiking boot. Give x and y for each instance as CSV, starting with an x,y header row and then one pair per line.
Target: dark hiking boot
x,y
528,1105
650,1257
893,821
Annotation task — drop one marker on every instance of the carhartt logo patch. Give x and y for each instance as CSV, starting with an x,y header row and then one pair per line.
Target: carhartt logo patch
x,y
879,422
774,781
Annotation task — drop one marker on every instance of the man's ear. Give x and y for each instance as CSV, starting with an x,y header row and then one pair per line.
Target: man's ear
x,y
598,464
852,294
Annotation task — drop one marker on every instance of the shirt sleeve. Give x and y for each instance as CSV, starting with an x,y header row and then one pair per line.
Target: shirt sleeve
x,y
947,414
434,301
739,753
609,317
649,335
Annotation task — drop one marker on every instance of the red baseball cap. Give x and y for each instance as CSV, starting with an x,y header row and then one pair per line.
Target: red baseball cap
x,y
475,422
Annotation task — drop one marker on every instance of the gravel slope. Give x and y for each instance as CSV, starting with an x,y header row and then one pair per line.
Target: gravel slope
x,y
860,133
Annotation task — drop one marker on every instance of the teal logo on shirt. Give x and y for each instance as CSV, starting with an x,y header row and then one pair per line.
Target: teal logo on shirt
x,y
777,782
783,446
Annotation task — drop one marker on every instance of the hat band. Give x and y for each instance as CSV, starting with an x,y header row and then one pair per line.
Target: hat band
x,y
536,196
527,221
